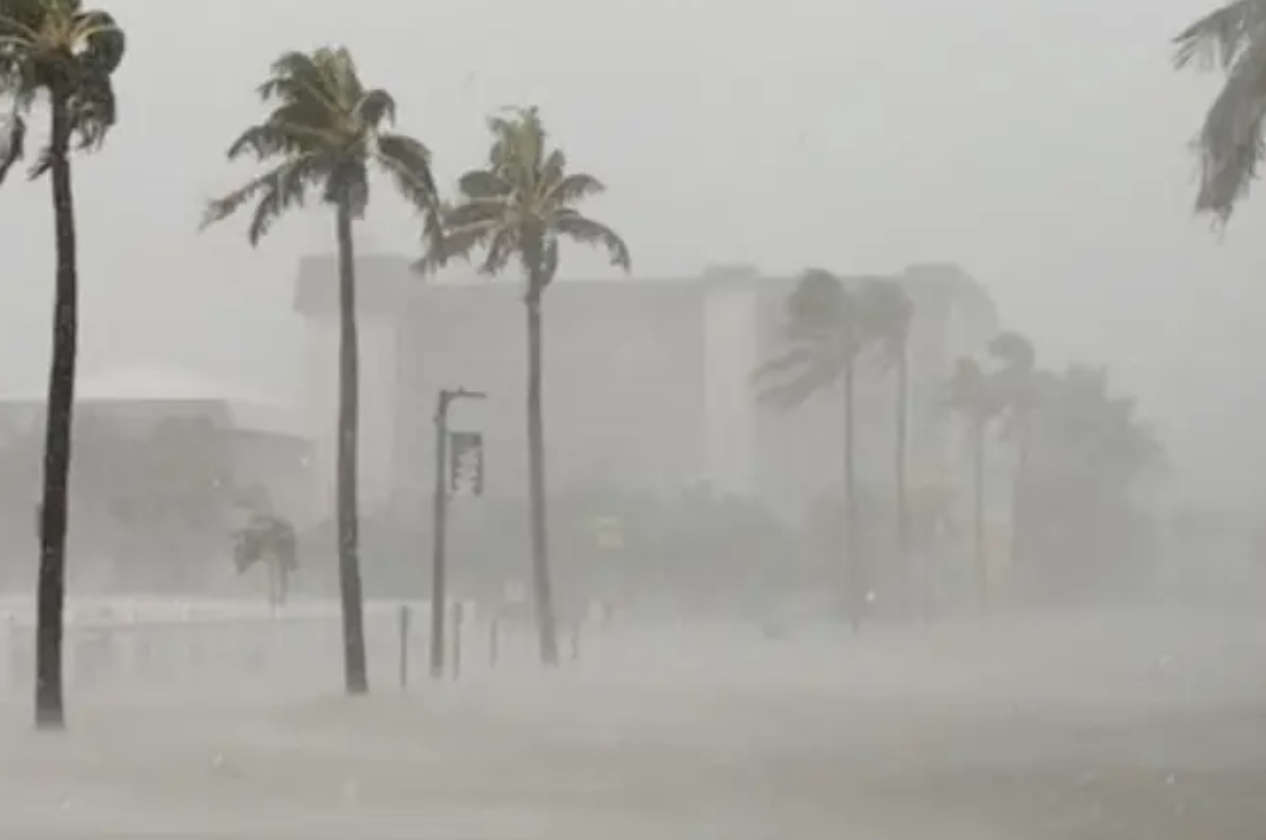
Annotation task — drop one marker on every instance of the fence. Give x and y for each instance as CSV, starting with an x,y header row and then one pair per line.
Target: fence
x,y
235,649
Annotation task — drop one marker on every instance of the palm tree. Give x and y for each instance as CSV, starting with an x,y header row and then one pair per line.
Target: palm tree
x,y
825,334
1019,397
324,132
888,316
68,54
518,209
269,539
974,395
1230,142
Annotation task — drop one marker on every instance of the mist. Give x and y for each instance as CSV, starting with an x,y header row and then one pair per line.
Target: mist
x,y
898,463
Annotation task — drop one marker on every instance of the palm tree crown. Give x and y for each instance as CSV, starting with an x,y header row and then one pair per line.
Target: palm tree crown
x,y
1230,142
521,205
326,129
57,45
823,333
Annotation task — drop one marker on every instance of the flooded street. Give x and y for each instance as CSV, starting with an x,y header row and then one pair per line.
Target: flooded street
x,y
1106,727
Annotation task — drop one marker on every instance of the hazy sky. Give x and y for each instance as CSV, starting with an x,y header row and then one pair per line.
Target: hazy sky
x,y
1040,144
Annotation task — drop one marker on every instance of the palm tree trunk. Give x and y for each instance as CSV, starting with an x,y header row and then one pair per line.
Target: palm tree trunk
x,y
54,513
1019,501
905,558
852,562
541,583
978,505
354,666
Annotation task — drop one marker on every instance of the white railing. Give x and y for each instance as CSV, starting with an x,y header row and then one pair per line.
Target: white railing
x,y
129,646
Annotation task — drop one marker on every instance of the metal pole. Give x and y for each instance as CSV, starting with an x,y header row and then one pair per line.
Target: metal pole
x,y
404,645
438,527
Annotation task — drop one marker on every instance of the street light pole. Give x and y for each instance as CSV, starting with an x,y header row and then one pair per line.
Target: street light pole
x,y
439,525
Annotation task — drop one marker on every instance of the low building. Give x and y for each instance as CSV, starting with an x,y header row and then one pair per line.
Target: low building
x,y
159,459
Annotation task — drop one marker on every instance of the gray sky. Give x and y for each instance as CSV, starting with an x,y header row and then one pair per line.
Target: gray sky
x,y
1039,144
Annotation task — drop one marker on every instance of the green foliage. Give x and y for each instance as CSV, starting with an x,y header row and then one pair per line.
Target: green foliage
x,y
325,131
1230,142
521,206
1091,444
267,538
58,48
827,326
974,393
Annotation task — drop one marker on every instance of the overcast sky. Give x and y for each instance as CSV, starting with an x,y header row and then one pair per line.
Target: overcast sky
x,y
1040,144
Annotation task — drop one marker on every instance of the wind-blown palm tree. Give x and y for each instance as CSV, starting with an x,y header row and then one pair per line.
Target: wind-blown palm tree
x,y
58,50
1019,397
825,334
518,209
325,132
888,316
974,395
1230,143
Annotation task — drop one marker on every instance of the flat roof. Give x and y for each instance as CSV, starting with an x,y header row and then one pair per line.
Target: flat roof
x,y
157,386
385,280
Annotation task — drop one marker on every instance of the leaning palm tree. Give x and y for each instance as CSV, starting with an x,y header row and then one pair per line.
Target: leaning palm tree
x,y
888,316
518,209
324,133
57,52
974,395
1230,142
824,336
1019,397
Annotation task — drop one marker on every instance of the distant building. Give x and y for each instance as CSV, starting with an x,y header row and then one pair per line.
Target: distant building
x,y
648,381
266,448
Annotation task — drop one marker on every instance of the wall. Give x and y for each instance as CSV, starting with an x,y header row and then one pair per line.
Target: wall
x,y
622,383
730,331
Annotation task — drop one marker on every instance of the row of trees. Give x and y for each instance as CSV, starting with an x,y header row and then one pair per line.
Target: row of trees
x,y
1089,444
323,134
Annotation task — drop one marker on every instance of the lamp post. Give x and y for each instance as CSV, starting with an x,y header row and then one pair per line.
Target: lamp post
x,y
439,571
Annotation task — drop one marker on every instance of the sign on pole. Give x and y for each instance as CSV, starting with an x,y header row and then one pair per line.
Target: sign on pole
x,y
466,464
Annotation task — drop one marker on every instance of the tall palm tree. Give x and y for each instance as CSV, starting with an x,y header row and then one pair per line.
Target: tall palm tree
x,y
1230,143
67,54
518,209
324,133
824,335
1019,397
888,315
973,394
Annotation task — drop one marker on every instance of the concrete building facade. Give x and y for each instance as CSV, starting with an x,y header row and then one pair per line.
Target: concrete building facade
x,y
648,382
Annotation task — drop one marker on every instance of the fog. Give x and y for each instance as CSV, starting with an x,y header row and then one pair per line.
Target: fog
x,y
987,564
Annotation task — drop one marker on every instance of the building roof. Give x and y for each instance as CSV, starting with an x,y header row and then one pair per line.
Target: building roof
x,y
385,280
157,386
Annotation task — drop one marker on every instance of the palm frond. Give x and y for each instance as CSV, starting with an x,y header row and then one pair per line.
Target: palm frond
x,y
266,536
1013,350
885,317
1221,37
484,184
479,211
459,242
375,108
572,189
1230,144
296,77
277,190
788,380
408,163
501,247
278,136
586,231
12,143
103,43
